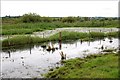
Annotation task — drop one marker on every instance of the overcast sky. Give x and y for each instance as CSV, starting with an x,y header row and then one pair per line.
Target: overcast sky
x,y
61,8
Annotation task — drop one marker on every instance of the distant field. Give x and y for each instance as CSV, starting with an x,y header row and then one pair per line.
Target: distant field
x,y
30,24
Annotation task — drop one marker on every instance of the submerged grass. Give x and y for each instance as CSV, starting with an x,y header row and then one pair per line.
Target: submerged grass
x,y
93,66
22,39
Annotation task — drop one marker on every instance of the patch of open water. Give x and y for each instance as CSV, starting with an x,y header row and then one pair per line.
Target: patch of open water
x,y
34,61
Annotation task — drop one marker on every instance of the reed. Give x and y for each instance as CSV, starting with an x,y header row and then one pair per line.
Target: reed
x,y
22,39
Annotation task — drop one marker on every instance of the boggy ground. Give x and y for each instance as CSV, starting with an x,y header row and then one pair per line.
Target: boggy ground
x,y
65,35
48,33
93,66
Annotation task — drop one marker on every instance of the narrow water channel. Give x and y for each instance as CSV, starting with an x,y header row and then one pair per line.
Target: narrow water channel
x,y
33,61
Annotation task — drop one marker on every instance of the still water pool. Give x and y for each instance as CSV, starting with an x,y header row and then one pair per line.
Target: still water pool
x,y
33,61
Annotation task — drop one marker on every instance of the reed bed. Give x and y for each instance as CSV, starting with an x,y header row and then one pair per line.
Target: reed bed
x,y
24,39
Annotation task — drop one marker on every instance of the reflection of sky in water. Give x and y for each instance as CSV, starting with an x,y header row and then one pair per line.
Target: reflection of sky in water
x,y
32,63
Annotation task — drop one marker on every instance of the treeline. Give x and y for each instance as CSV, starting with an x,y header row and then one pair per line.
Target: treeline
x,y
29,23
34,18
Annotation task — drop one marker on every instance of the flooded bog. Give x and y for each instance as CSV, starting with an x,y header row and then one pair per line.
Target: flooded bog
x,y
33,61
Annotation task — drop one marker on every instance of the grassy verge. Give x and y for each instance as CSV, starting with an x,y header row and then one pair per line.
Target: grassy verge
x,y
22,40
93,66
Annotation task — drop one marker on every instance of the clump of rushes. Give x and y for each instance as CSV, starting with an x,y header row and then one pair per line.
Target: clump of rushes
x,y
69,35
112,34
97,34
21,40
94,66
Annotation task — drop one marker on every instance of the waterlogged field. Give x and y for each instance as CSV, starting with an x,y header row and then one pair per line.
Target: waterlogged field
x,y
32,47
93,66
33,61
65,35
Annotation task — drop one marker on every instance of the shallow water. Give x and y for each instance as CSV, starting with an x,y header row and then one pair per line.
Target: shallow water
x,y
34,61
48,33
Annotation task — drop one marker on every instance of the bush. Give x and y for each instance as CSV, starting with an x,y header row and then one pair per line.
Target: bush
x,y
31,17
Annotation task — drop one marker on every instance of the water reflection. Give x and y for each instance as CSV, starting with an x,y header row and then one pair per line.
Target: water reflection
x,y
88,43
81,41
30,48
19,48
9,54
51,48
36,60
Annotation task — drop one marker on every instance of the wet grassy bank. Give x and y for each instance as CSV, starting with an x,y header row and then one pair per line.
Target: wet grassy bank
x,y
93,66
22,39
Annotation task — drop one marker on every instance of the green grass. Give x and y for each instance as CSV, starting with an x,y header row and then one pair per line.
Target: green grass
x,y
22,39
16,31
70,35
97,34
23,28
66,35
112,34
93,66
28,28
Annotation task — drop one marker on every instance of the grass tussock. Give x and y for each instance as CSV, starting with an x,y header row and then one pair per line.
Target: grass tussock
x,y
93,66
69,35
112,34
22,39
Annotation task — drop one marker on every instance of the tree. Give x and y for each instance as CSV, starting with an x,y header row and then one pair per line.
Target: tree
x,y
68,19
31,17
46,19
86,18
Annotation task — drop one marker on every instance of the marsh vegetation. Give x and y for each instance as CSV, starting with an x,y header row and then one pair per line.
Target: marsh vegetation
x,y
32,22
93,66
22,39
34,56
34,60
